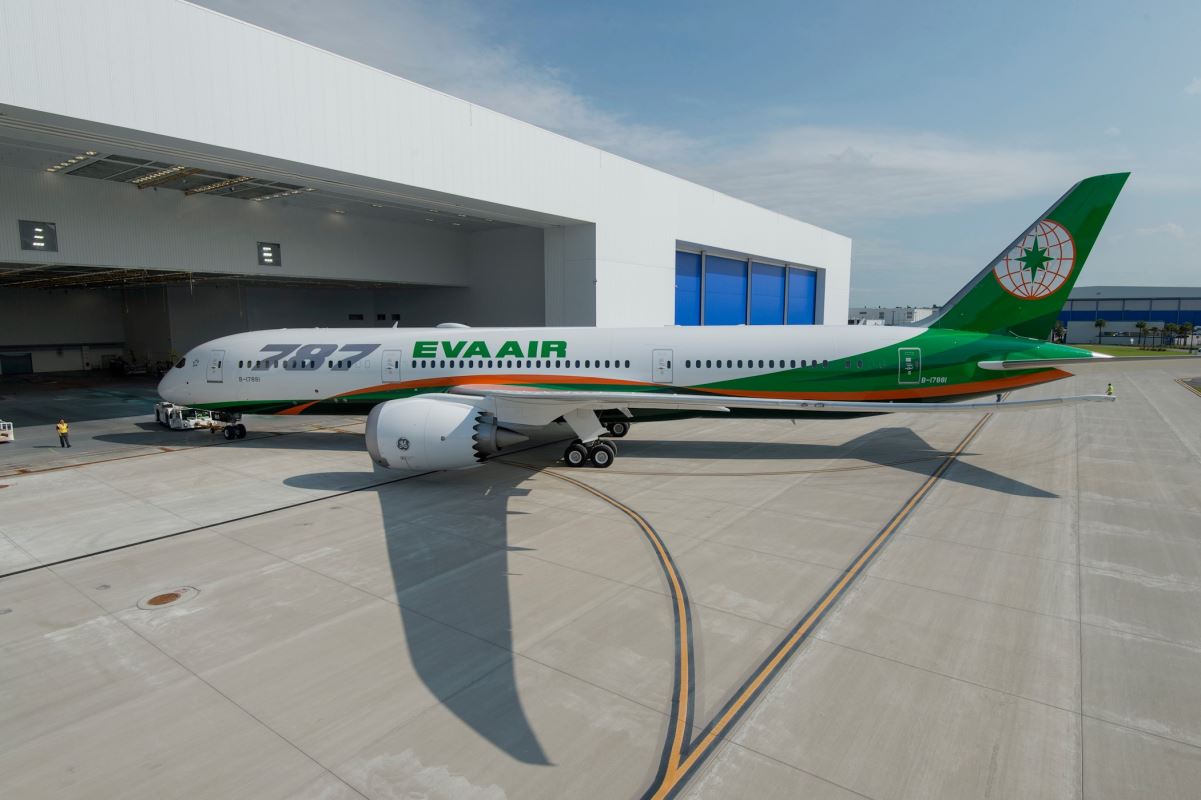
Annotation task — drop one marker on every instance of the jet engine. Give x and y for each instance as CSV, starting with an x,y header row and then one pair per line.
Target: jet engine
x,y
434,432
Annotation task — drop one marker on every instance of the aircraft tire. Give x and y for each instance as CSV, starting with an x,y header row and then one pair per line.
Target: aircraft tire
x,y
619,429
240,430
602,455
576,455
229,433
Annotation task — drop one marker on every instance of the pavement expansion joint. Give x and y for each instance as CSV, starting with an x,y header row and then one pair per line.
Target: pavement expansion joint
x,y
683,755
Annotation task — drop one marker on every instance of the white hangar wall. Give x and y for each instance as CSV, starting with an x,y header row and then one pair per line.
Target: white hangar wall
x,y
233,91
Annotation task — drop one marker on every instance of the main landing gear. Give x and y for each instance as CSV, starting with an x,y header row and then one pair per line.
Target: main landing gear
x,y
618,429
231,432
599,454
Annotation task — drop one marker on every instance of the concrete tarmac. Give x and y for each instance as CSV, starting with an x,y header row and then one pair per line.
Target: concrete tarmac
x,y
1029,628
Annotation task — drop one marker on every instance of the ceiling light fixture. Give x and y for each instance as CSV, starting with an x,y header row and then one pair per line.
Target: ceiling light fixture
x,y
158,176
212,187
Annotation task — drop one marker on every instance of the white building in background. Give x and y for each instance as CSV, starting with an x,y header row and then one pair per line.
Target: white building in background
x,y
897,315
193,175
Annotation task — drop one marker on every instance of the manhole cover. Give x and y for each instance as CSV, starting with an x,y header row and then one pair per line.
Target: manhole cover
x,y
170,597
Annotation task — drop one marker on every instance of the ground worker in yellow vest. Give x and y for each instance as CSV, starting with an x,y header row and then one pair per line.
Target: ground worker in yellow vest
x,y
1109,389
63,430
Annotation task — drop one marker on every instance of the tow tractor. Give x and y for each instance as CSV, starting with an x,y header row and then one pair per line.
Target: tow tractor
x,y
183,418
6,431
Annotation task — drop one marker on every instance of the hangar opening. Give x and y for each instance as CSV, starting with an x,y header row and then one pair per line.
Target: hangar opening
x,y
112,256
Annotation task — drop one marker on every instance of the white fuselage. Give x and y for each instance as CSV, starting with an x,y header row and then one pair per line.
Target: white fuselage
x,y
305,365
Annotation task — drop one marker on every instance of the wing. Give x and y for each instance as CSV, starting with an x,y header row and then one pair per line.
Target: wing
x,y
528,406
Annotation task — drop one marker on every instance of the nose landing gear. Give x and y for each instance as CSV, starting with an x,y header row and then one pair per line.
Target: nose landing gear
x,y
231,432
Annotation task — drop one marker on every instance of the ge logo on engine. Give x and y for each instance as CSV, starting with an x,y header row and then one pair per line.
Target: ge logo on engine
x,y
402,444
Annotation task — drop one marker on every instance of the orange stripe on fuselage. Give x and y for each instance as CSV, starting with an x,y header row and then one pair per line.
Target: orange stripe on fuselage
x,y
945,390
948,390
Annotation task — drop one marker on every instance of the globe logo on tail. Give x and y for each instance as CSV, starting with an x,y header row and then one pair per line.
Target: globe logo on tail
x,y
1039,264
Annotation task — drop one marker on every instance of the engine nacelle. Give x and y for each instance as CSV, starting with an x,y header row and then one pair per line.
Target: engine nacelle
x,y
430,433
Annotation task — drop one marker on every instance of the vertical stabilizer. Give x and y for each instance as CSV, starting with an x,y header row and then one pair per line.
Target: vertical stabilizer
x,y
1024,288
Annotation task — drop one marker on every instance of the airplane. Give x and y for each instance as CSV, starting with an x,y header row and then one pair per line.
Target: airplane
x,y
451,396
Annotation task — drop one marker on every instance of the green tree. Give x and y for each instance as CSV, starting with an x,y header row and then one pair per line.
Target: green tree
x,y
1169,333
1186,331
1142,331
1154,335
1058,333
1099,325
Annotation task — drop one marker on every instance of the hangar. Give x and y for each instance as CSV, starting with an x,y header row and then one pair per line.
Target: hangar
x,y
189,185
1123,308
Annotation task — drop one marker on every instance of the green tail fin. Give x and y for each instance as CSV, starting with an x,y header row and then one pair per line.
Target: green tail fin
x,y
1024,288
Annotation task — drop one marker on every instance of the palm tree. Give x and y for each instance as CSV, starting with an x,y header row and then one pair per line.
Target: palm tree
x,y
1099,324
1142,331
1186,330
1169,332
1058,333
1154,335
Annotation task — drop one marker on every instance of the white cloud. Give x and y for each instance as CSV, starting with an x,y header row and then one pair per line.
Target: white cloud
x,y
1112,131
1194,87
831,175
1166,229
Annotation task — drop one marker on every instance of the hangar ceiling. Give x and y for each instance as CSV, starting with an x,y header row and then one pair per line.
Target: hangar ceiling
x,y
145,173
59,276
46,148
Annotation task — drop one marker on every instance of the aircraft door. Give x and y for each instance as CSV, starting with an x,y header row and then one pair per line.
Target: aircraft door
x,y
661,366
909,365
391,366
216,366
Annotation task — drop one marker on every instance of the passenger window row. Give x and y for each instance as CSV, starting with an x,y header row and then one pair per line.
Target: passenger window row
x,y
274,363
750,363
558,363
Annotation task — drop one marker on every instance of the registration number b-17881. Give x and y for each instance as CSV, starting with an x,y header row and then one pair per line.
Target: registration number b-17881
x,y
934,379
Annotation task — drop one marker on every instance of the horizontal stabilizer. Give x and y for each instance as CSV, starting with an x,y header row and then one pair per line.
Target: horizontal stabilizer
x,y
1050,363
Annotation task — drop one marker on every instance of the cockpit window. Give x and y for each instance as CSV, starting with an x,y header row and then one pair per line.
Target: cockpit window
x,y
179,364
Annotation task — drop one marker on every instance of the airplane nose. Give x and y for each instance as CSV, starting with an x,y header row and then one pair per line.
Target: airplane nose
x,y
169,388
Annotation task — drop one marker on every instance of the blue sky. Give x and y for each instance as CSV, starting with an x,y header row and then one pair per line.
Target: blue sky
x,y
930,133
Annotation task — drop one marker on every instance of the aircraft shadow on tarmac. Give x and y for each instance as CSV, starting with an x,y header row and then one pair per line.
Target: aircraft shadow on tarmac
x,y
151,434
499,716
501,719
896,448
